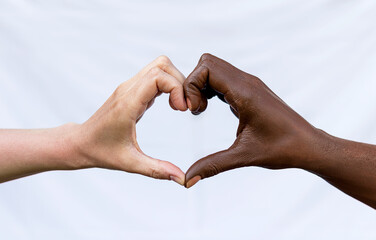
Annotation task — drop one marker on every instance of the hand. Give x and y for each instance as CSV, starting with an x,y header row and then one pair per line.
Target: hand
x,y
270,133
108,138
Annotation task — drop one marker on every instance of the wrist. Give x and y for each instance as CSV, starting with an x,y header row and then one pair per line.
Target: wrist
x,y
320,148
72,141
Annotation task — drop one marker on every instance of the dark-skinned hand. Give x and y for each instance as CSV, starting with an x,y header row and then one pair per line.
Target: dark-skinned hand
x,y
272,135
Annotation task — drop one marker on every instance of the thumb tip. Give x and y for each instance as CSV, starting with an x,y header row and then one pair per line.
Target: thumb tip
x,y
178,180
192,181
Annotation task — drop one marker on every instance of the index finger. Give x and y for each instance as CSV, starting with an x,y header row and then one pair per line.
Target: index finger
x,y
213,77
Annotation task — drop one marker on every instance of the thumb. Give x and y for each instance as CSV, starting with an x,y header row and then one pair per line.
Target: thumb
x,y
214,164
159,169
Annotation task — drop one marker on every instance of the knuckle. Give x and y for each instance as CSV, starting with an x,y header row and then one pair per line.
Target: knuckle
x,y
191,82
206,57
117,92
120,89
118,97
187,82
176,84
154,172
155,72
213,169
163,61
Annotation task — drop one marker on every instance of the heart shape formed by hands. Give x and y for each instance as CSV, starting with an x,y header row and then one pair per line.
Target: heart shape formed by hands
x,y
270,134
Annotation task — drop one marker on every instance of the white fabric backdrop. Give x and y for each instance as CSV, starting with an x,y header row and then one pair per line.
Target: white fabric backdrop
x,y
60,60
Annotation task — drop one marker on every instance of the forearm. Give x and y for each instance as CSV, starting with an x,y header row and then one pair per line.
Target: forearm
x,y
349,166
27,152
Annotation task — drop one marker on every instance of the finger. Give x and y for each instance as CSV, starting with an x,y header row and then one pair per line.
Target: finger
x,y
213,164
213,76
159,169
157,80
194,86
166,65
171,104
169,84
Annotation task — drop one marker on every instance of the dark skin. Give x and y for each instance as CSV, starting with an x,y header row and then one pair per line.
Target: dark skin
x,y
272,135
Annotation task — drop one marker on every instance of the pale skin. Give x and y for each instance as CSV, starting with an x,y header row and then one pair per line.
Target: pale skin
x,y
106,140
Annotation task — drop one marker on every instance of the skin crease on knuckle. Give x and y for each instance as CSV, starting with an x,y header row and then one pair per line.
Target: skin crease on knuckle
x,y
163,62
155,170
154,74
153,173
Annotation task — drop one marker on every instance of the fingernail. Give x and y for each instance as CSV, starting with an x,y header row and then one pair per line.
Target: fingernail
x,y
177,180
189,104
193,181
185,106
173,106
